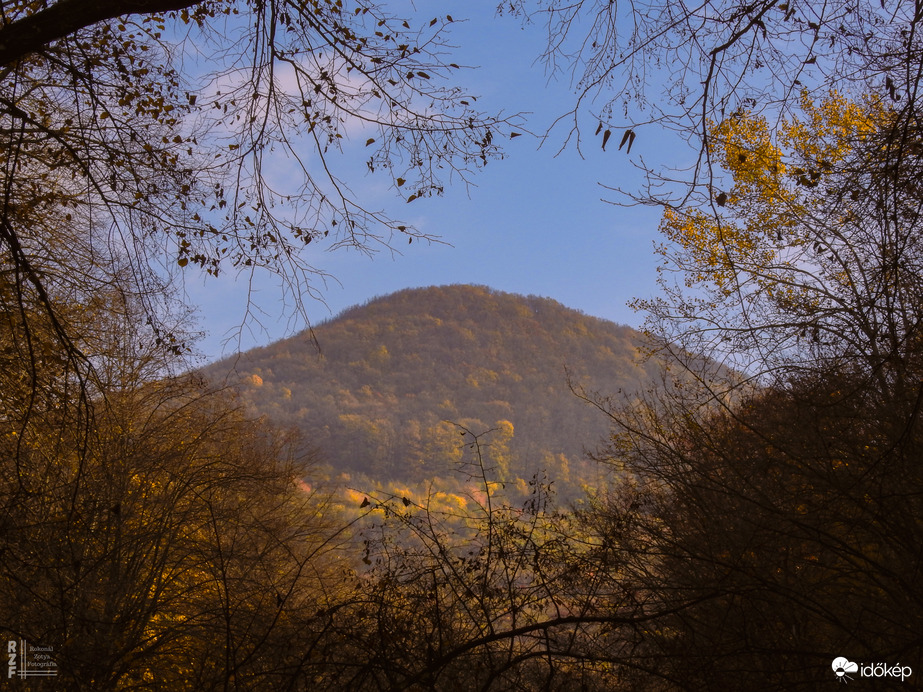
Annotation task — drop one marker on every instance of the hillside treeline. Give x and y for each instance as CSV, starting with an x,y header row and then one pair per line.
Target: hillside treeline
x,y
378,390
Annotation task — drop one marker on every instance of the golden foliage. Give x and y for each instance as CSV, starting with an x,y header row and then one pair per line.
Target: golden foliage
x,y
791,234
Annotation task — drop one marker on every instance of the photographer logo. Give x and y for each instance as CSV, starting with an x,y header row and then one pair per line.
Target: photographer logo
x,y
25,660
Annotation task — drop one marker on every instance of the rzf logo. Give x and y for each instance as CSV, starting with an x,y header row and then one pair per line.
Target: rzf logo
x,y
11,651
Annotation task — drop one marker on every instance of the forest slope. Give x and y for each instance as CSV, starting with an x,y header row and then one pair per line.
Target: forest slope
x,y
392,377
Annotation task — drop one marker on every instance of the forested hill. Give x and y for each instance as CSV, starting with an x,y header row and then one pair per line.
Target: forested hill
x,y
390,376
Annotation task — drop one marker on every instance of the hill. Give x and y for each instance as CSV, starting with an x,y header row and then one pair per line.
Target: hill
x,y
390,379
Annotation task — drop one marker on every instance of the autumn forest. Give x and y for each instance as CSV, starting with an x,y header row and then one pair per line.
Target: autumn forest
x,y
454,487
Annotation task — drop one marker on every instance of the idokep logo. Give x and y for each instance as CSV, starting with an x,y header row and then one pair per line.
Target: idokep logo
x,y
842,667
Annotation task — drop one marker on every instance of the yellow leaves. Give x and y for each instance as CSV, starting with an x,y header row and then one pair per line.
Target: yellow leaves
x,y
448,503
379,357
714,249
504,429
768,174
748,153
761,230
829,131
758,169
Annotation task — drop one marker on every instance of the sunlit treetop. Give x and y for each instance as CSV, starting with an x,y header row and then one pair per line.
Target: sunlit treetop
x,y
807,250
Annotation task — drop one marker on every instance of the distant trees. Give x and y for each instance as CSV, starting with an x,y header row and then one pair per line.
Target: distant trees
x,y
457,353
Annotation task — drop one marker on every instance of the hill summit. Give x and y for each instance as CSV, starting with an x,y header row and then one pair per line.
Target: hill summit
x,y
391,380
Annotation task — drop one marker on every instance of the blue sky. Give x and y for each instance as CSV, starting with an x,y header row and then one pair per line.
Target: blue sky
x,y
534,223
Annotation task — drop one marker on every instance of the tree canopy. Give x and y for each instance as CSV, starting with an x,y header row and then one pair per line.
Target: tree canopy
x,y
640,66
808,258
151,129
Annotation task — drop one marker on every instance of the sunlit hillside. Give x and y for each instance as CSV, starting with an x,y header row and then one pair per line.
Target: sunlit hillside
x,y
386,385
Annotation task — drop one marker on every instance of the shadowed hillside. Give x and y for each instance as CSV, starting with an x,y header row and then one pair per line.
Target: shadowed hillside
x,y
392,376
